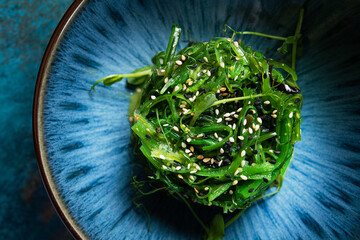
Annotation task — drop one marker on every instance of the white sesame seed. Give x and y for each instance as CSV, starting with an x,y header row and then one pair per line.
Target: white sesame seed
x,y
190,83
228,119
183,145
222,150
220,139
253,125
234,126
253,111
166,80
275,111
240,169
236,116
219,120
198,167
148,130
229,75
236,172
222,64
192,99
183,58
182,106
236,44
204,71
249,102
291,115
208,73
250,130
162,157
180,176
244,131
194,171
176,88
176,128
243,163
188,140
219,164
165,125
216,135
217,111
236,78
192,177
164,167
212,161
205,59
197,93
178,168
200,135
239,110
241,138
205,160
200,157
227,115
232,113
271,150
256,127
235,182
161,60
231,192
153,97
243,152
243,177
259,120
267,102
231,139
187,151
237,58
162,70
206,188
178,62
274,115
245,121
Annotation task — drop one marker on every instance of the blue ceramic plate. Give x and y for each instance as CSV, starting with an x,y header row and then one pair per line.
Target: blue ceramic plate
x,y
82,137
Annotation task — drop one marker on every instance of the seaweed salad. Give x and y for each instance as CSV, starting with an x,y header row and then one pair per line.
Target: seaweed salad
x,y
216,122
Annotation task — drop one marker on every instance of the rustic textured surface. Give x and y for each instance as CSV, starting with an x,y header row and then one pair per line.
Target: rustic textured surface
x,y
25,29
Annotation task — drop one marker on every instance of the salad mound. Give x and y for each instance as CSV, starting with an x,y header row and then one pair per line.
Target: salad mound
x,y
216,122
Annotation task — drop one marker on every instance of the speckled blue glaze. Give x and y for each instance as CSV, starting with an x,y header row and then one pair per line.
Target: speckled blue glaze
x,y
87,133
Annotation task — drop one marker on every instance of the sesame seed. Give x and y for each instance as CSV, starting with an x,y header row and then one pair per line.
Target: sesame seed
x,y
219,120
236,172
265,180
206,60
200,157
231,139
183,145
241,138
217,111
205,160
148,136
243,177
251,190
165,125
223,89
197,93
216,135
259,120
178,168
237,58
206,188
272,161
236,116
243,163
153,97
176,128
162,70
228,119
148,130
228,175
187,151
176,88
192,177
166,80
231,192
184,86
277,152
227,115
236,78
188,166
249,102
192,149
275,111
194,171
244,131
161,60
236,44
208,73
178,62
222,150
200,135
220,139
197,167
291,115
235,182
274,115
162,157
183,58
243,152
182,106
250,138
190,83
245,122
256,128
267,102
188,140
234,126
239,110
164,167
250,131
271,150
180,176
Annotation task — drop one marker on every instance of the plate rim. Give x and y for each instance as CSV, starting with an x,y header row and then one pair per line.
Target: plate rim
x,y
38,123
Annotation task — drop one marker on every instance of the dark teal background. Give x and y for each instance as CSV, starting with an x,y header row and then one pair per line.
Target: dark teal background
x,y
25,29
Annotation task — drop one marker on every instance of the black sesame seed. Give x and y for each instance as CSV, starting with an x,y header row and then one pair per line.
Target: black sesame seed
x,y
297,100
274,124
201,194
148,136
173,97
251,190
265,180
227,161
202,61
272,161
193,66
277,152
205,91
241,144
243,85
250,138
265,75
218,95
258,75
257,99
238,148
228,175
187,95
212,71
255,152
257,103
201,89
